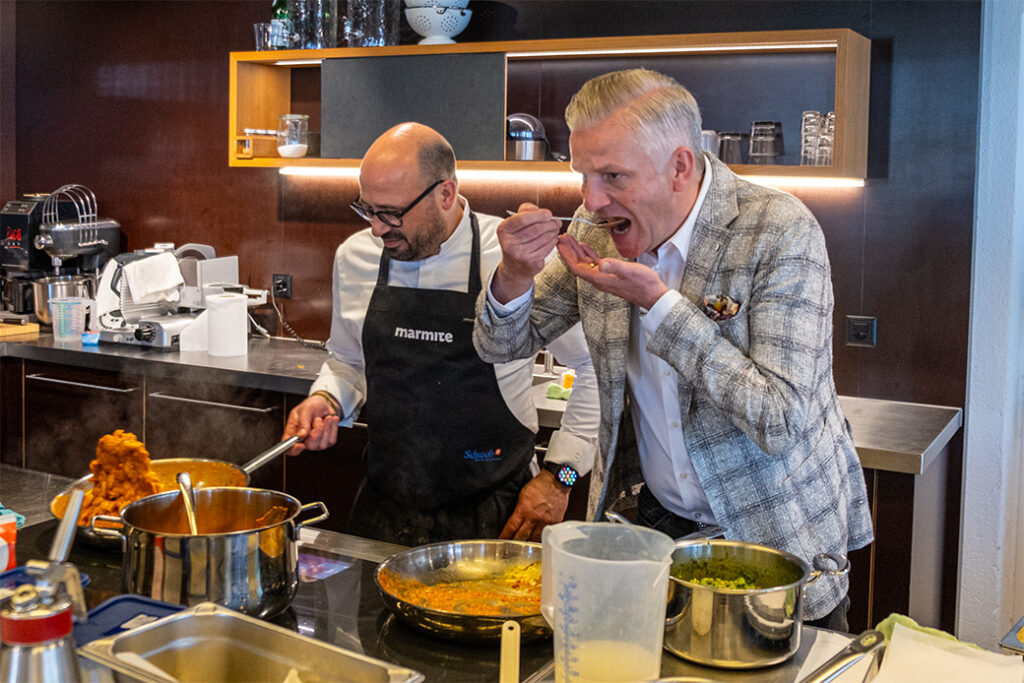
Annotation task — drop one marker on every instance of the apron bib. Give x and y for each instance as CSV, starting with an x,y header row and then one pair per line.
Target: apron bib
x,y
440,433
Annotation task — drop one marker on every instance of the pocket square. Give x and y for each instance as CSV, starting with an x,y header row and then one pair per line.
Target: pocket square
x,y
720,307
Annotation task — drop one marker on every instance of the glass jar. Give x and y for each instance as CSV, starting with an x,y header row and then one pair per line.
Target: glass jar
x,y
293,135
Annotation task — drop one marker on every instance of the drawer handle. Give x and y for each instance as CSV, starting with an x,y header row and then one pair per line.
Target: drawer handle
x,y
232,406
54,380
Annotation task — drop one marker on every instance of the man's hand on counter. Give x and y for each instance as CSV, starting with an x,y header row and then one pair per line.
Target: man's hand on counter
x,y
316,420
542,501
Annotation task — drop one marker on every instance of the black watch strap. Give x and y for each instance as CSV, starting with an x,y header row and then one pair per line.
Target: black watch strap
x,y
565,474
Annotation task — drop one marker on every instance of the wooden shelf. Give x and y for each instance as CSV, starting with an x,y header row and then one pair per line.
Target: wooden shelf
x,y
260,86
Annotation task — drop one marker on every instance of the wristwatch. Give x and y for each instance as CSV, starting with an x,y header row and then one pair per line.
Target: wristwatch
x,y
565,474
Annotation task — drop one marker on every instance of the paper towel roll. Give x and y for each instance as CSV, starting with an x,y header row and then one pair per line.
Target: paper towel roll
x,y
228,326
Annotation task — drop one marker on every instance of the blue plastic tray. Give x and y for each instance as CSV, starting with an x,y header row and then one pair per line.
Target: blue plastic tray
x,y
12,578
120,614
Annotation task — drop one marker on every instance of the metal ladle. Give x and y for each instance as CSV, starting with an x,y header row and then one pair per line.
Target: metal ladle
x,y
188,498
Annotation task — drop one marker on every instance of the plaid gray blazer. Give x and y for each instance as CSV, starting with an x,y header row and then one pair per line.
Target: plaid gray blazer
x,y
763,425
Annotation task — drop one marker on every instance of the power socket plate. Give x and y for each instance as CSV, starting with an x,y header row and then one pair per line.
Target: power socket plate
x,y
861,330
282,285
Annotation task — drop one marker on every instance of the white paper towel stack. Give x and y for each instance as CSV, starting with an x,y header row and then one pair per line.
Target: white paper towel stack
x,y
227,325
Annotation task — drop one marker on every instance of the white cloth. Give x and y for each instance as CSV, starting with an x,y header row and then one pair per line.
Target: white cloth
x,y
657,415
154,278
914,656
355,275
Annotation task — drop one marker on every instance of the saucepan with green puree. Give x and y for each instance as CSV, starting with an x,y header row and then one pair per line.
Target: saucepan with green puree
x,y
738,605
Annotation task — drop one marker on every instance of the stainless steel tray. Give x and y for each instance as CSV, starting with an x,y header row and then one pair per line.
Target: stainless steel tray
x,y
208,642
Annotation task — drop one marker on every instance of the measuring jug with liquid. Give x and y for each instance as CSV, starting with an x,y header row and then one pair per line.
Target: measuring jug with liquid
x,y
603,590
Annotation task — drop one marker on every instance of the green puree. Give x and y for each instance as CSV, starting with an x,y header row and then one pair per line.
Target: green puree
x,y
732,574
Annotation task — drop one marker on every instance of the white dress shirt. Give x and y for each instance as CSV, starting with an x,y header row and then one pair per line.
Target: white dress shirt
x,y
356,263
653,384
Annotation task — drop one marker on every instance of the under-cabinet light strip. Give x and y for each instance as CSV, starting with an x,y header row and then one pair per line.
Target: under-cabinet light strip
x,y
648,50
651,50
568,176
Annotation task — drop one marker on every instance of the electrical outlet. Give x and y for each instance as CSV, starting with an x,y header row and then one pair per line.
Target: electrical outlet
x,y
861,330
282,286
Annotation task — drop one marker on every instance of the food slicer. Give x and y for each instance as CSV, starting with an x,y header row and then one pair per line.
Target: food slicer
x,y
158,324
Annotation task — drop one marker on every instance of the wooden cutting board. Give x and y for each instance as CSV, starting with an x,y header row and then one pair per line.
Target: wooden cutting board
x,y
14,332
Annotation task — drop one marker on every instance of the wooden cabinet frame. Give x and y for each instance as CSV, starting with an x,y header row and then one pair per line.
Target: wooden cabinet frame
x,y
260,88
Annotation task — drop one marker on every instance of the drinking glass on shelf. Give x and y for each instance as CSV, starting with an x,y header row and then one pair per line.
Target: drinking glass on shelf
x,y
810,132
765,142
730,147
826,140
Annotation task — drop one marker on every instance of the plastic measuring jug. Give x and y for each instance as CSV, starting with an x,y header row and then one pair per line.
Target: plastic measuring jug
x,y
603,590
68,316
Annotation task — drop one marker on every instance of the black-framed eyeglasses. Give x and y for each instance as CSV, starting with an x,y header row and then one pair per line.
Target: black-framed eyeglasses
x,y
392,219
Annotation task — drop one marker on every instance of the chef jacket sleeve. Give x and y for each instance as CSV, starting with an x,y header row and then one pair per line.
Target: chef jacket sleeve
x,y
343,373
575,442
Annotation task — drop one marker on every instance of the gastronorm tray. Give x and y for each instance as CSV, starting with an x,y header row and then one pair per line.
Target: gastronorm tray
x,y
209,642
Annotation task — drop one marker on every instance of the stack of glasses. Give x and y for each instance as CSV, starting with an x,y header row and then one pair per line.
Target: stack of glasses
x,y
817,138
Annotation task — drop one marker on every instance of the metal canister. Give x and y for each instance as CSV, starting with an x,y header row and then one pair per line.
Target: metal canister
x,y
37,638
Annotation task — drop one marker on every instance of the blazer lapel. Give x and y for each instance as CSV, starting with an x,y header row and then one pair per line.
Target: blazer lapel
x,y
707,245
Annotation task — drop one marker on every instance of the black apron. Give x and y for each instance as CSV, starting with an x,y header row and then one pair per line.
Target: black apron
x,y
445,458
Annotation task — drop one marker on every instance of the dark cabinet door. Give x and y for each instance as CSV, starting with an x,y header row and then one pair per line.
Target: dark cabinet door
x,y
68,409
211,420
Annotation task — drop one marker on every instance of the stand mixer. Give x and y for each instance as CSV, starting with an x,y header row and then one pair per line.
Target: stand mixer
x,y
64,225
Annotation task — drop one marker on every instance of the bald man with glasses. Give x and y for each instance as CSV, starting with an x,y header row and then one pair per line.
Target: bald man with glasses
x,y
450,452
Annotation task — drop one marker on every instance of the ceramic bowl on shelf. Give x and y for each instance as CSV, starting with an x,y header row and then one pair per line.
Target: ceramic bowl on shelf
x,y
437,25
461,4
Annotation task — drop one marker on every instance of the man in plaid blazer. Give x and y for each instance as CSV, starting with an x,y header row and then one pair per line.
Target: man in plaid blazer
x,y
707,304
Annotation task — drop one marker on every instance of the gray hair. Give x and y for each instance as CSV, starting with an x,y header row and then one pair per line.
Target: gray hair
x,y
436,160
656,108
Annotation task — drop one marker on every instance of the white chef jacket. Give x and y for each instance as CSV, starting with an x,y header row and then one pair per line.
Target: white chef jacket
x,y
356,264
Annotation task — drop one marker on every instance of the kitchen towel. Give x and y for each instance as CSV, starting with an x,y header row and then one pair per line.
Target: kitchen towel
x,y
227,324
154,278
914,656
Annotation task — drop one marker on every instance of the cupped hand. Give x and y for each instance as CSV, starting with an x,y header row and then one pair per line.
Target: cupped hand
x,y
315,420
542,501
628,280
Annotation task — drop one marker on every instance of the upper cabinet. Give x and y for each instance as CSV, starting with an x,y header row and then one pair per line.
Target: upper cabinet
x,y
466,90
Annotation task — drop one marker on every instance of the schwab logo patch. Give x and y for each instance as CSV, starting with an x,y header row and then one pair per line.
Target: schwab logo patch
x,y
484,456
424,335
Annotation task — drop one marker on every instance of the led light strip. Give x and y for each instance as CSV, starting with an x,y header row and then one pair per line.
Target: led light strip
x,y
566,177
649,50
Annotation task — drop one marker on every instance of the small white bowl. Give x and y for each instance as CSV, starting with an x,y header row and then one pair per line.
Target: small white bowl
x,y
461,4
437,25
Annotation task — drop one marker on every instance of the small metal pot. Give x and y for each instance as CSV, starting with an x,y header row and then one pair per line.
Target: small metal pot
x,y
741,628
47,288
245,556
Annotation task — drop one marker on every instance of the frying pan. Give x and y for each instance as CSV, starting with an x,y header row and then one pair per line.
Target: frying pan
x,y
454,561
204,473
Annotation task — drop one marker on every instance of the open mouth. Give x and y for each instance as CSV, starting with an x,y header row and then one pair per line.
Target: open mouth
x,y
619,226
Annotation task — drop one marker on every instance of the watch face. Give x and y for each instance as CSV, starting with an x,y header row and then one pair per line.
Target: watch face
x,y
567,475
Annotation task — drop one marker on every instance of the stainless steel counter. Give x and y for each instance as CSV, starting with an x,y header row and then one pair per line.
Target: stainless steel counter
x,y
892,436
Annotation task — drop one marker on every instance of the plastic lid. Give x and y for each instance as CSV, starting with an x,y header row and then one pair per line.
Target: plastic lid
x,y
525,126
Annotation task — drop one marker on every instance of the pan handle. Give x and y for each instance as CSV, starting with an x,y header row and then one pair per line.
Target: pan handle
x,y
269,454
104,532
309,506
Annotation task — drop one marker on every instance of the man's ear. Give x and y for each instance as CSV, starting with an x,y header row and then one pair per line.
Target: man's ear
x,y
449,193
683,165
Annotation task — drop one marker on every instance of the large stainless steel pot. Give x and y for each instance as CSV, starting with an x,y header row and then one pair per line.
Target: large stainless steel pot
x,y
741,628
47,288
245,556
